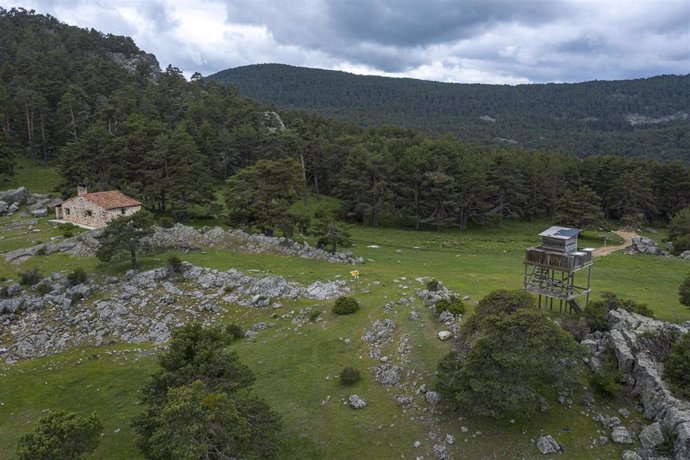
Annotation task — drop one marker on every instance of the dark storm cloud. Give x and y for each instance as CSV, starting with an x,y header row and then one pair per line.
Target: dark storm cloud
x,y
493,41
414,23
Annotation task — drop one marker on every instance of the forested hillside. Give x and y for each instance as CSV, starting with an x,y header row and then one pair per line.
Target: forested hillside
x,y
647,117
102,110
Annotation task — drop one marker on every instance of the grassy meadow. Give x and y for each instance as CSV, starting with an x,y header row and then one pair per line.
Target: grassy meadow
x,y
297,365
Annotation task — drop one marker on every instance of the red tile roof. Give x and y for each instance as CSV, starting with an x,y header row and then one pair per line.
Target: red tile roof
x,y
110,200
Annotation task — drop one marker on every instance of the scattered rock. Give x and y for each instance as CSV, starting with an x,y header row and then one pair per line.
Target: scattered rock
x,y
432,397
387,374
444,335
417,444
621,435
630,455
356,402
450,439
440,451
547,445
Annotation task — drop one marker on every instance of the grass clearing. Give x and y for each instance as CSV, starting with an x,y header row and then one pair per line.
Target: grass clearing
x,y
297,366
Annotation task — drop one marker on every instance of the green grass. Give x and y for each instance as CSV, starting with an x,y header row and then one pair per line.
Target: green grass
x,y
297,367
36,177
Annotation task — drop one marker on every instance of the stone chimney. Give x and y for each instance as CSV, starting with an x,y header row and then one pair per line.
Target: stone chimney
x,y
81,190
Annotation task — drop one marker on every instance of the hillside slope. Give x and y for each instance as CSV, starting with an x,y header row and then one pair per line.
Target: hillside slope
x,y
647,117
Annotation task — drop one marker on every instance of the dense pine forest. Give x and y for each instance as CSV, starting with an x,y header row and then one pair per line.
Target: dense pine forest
x,y
109,117
647,117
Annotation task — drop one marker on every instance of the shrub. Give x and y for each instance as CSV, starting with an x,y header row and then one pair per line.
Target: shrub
x,y
684,292
681,244
175,263
432,285
166,222
61,435
43,288
453,305
41,251
677,367
659,343
576,325
4,292
608,381
234,330
596,313
504,302
68,234
345,305
349,376
29,277
76,297
78,276
314,315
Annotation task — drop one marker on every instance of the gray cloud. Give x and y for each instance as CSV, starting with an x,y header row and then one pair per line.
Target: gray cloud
x,y
451,40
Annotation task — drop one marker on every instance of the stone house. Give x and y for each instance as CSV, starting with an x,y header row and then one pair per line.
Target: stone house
x,y
96,209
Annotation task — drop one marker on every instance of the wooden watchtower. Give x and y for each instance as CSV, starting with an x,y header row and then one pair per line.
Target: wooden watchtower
x,y
551,268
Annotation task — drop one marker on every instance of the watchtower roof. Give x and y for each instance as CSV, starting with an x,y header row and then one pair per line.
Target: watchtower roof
x,y
561,233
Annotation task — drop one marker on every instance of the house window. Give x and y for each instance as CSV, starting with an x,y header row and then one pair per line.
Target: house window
x,y
67,211
88,213
122,211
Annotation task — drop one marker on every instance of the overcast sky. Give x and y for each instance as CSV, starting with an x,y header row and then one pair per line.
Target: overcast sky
x,y
475,41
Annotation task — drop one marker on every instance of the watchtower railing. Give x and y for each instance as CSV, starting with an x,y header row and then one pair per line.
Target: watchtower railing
x,y
558,261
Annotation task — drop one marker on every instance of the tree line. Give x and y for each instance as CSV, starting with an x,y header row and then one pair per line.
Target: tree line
x,y
113,119
645,117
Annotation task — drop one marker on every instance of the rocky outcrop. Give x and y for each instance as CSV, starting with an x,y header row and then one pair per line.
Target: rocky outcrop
x,y
643,374
183,237
644,245
139,307
547,445
13,200
82,245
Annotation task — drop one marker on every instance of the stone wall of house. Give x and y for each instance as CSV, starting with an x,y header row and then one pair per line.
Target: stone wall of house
x,y
82,211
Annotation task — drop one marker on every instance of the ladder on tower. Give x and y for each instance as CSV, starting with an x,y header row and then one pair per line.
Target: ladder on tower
x,y
574,305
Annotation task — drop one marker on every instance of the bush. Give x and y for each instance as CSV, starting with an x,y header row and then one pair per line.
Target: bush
x,y
608,381
41,251
349,376
60,436
681,244
432,285
314,315
577,326
684,292
166,222
76,297
30,277
78,276
504,302
4,292
235,331
43,288
345,305
659,343
453,305
677,367
596,313
175,263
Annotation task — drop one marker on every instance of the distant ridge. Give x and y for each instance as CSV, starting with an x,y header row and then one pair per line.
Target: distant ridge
x,y
644,117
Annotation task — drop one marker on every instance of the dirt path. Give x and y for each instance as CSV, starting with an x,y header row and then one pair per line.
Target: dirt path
x,y
606,250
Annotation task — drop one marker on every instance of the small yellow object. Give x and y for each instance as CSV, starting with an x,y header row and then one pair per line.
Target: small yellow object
x,y
355,274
